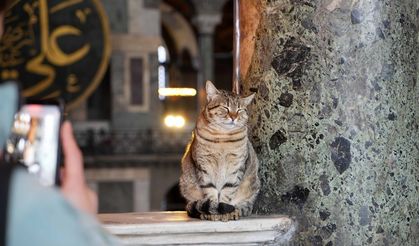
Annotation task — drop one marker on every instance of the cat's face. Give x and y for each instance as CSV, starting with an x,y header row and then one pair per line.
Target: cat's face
x,y
226,110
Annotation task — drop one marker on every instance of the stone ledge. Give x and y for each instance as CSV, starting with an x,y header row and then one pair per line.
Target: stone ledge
x,y
176,228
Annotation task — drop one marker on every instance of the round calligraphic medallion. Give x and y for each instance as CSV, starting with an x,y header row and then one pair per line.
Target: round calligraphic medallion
x,y
55,48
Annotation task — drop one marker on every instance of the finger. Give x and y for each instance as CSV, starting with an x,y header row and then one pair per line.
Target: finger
x,y
73,160
93,200
62,175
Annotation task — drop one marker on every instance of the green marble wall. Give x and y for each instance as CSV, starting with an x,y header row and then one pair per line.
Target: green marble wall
x,y
335,120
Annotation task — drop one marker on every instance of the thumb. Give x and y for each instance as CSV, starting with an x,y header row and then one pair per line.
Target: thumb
x,y
73,159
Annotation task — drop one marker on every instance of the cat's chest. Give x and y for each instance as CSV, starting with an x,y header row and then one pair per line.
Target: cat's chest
x,y
222,152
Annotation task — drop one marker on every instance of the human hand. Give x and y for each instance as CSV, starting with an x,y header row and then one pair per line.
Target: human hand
x,y
73,183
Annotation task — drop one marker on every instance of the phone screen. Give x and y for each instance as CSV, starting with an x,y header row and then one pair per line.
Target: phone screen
x,y
34,141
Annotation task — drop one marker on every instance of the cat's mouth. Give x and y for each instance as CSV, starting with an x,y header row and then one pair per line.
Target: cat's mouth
x,y
230,124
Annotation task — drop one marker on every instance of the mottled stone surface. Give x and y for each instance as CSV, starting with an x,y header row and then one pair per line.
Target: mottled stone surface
x,y
335,120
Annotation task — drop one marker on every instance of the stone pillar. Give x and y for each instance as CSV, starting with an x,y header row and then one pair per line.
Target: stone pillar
x,y
144,17
135,35
335,120
208,17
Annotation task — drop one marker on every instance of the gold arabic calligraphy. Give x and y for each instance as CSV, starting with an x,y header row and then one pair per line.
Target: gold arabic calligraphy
x,y
51,51
56,48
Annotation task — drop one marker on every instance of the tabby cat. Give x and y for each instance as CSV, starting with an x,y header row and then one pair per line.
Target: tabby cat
x,y
220,168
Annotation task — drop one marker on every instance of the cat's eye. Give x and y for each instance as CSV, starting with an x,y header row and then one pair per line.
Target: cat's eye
x,y
226,109
241,110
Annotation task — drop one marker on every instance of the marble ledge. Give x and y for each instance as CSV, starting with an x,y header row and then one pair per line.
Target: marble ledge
x,y
176,228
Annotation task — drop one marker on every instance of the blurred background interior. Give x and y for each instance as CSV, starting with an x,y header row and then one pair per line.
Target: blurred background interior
x,y
132,136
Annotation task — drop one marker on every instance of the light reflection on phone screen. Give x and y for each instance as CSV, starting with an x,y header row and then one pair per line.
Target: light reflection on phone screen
x,y
34,141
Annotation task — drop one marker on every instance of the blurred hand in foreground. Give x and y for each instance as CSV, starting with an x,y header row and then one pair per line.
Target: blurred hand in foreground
x,y
73,183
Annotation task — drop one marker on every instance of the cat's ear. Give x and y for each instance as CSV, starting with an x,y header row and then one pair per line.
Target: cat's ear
x,y
247,100
210,90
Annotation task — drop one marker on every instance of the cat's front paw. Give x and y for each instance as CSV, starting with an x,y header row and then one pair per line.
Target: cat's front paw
x,y
225,208
225,212
228,212
235,215
212,217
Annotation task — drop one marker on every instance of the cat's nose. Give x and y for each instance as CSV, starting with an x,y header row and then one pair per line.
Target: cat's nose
x,y
233,116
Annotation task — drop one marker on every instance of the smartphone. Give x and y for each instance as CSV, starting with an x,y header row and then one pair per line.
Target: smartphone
x,y
35,140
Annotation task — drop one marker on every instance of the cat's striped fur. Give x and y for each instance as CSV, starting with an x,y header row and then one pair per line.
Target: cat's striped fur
x,y
220,168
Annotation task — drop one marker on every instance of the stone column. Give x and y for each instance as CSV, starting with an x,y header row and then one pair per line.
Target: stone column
x,y
208,17
135,35
335,120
